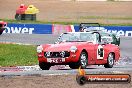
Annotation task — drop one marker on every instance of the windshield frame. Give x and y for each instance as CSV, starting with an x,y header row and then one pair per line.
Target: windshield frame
x,y
92,38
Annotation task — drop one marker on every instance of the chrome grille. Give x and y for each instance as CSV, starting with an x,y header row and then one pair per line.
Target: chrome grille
x,y
61,54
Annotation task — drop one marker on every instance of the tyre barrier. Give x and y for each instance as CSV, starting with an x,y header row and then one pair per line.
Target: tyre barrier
x,y
26,12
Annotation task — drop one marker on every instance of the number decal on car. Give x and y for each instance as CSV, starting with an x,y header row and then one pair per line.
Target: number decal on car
x,y
100,52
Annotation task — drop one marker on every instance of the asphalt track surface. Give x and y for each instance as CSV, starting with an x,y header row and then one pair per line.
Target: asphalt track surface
x,y
125,65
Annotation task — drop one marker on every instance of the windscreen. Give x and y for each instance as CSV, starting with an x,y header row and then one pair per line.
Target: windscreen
x,y
76,37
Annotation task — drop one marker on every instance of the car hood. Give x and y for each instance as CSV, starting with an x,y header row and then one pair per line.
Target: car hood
x,y
62,46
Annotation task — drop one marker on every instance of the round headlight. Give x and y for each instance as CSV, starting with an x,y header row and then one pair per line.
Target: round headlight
x,y
73,49
39,49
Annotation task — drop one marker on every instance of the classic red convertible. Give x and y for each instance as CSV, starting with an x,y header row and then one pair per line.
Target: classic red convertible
x,y
3,26
78,49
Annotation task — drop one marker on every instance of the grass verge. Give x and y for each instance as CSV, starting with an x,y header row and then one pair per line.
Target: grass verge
x,y
57,22
14,55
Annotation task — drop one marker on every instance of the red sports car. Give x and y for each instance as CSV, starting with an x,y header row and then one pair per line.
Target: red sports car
x,y
78,49
3,26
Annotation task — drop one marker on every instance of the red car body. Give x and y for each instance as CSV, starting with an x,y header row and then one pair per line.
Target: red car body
x,y
91,49
2,26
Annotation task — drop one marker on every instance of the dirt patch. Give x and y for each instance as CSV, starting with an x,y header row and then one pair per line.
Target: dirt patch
x,y
57,10
56,81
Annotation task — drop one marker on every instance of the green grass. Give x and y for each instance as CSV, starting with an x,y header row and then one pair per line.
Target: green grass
x,y
71,23
34,22
99,17
103,17
15,55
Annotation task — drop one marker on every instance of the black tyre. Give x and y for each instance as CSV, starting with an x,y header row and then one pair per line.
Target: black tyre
x,y
81,80
83,61
74,65
110,61
22,16
33,17
1,32
44,66
28,16
18,16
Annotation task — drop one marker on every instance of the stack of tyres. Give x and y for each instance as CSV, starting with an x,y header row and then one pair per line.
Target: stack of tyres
x,y
26,13
30,16
20,16
20,12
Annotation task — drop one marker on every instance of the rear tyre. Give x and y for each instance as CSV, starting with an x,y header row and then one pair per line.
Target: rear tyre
x,y
83,61
110,61
0,32
44,66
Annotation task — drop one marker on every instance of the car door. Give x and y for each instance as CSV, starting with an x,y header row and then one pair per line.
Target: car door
x,y
89,46
99,50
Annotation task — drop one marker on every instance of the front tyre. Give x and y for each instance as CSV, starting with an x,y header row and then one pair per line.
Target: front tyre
x,y
44,66
110,61
83,61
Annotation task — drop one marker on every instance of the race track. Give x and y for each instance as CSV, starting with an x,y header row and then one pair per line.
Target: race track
x,y
125,64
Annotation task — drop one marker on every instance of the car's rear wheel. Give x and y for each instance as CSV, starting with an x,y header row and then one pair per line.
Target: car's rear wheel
x,y
83,61
0,32
44,66
110,61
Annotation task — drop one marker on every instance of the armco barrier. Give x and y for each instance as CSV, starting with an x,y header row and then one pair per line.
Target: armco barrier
x,y
57,29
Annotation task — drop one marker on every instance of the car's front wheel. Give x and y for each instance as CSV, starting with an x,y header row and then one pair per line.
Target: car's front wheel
x,y
110,61
0,32
44,66
83,61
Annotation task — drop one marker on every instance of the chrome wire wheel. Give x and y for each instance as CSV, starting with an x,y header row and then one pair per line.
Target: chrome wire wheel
x,y
83,60
111,59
